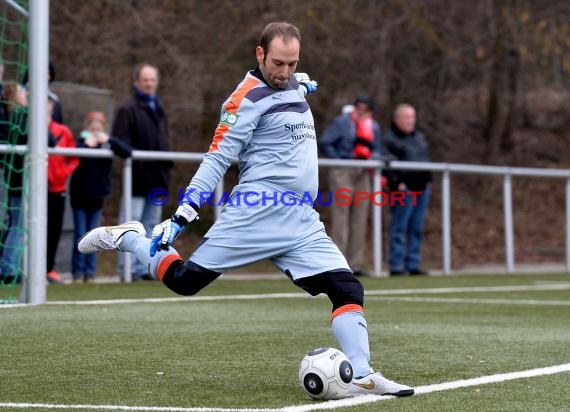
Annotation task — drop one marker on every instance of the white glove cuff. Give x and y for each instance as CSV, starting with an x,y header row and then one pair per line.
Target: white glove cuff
x,y
187,212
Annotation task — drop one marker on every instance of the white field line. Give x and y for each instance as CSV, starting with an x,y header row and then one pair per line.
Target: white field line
x,y
474,300
507,288
420,390
15,405
297,295
341,403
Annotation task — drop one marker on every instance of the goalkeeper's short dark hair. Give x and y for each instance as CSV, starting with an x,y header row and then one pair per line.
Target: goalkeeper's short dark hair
x,y
282,29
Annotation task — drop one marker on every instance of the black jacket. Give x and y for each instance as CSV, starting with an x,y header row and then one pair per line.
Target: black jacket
x,y
144,129
91,182
412,147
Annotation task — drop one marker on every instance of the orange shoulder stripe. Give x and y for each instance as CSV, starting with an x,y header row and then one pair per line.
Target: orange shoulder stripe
x,y
351,307
232,106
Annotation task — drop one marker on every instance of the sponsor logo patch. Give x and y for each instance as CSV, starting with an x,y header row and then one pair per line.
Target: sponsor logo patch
x,y
229,119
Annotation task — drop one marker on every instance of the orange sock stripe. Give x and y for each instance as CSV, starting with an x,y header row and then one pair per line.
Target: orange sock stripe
x,y
165,263
351,307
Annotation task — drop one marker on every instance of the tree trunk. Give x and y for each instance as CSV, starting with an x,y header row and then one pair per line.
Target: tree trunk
x,y
498,129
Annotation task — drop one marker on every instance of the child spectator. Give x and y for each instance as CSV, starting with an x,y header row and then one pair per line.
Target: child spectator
x,y
90,185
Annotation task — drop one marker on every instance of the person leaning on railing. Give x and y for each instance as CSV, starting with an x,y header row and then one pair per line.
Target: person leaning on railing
x,y
90,185
403,141
141,122
353,134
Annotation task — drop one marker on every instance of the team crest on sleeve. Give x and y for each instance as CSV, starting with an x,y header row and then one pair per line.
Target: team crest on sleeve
x,y
229,119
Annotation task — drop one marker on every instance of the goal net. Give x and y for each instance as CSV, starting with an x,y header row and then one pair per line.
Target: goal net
x,y
13,138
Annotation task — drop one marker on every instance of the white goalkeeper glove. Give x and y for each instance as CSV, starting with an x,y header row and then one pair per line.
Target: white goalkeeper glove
x,y
165,233
305,81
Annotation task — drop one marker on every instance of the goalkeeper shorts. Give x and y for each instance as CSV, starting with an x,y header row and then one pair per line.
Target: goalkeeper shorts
x,y
292,237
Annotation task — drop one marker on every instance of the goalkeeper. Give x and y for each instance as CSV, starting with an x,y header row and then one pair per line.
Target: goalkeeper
x,y
267,124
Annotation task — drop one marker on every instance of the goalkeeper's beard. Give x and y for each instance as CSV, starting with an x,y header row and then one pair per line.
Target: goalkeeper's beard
x,y
280,86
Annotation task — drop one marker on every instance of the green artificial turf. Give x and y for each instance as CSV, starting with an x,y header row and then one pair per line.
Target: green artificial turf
x,y
232,353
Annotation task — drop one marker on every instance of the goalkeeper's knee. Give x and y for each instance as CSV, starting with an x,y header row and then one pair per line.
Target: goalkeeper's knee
x,y
187,278
341,286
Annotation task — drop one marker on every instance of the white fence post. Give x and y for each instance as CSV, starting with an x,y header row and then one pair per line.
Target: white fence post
x,y
446,221
509,235
127,205
377,225
568,224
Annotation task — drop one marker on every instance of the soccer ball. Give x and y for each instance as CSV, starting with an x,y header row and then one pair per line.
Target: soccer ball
x,y
325,373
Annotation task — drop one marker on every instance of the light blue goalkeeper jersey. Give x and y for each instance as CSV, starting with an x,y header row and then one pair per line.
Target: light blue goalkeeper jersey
x,y
271,133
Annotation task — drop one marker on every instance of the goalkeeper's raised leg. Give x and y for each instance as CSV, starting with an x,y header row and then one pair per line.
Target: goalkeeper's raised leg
x,y
157,254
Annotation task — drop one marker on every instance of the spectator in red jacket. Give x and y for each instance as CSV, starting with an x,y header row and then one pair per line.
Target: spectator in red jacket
x,y
60,169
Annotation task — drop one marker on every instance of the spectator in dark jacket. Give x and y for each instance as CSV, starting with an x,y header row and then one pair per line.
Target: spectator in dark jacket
x,y
57,111
404,142
90,185
13,131
141,122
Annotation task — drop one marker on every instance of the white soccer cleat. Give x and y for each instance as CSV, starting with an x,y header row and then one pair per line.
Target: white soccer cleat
x,y
376,384
107,237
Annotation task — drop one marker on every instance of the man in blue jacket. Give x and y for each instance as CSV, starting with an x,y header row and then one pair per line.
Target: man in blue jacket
x,y
352,135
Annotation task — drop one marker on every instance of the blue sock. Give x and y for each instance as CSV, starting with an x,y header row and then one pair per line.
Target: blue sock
x,y
351,332
139,245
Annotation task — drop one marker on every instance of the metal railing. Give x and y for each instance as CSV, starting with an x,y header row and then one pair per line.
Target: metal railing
x,y
446,170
